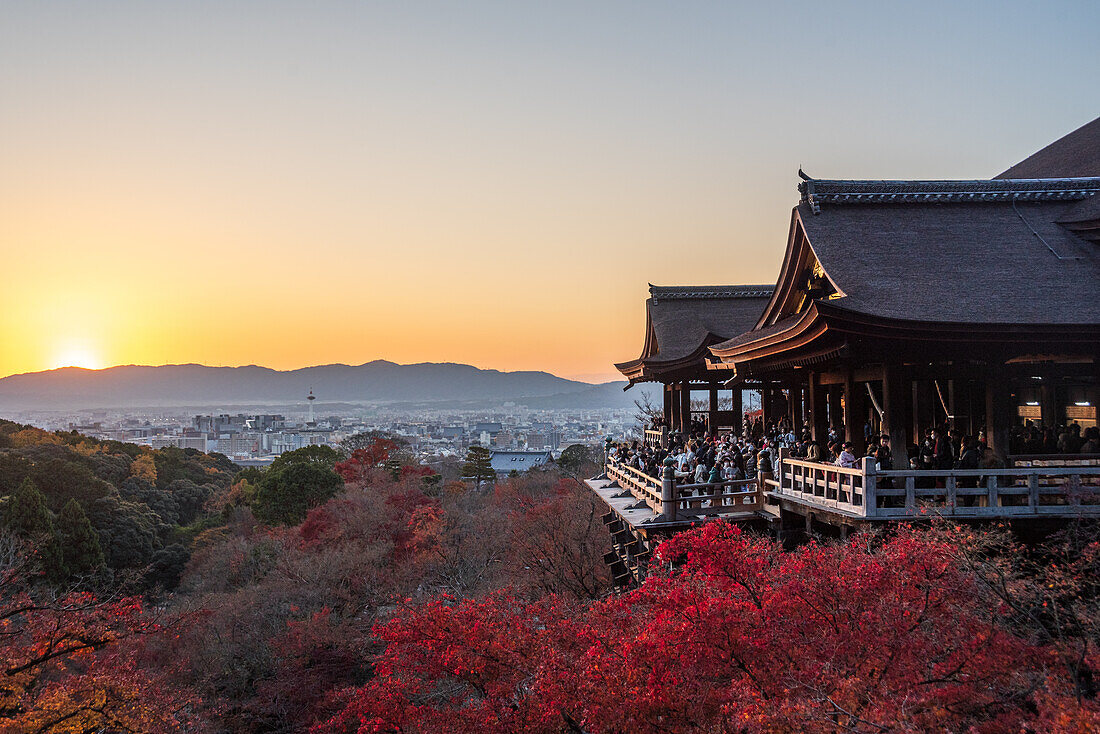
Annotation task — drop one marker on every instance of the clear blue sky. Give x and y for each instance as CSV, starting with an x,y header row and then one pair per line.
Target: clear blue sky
x,y
491,183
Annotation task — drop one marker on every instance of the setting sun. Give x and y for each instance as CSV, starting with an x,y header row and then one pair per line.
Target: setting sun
x,y
77,355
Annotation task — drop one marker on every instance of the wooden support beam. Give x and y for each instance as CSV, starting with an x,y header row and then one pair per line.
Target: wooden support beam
x,y
818,414
668,406
998,413
852,432
712,415
1048,404
685,407
738,411
836,414
797,418
895,416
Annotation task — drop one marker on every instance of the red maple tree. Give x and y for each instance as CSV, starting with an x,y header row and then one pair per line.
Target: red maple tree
x,y
734,635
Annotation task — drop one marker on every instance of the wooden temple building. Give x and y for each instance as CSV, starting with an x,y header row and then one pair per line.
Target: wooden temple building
x,y
682,323
900,305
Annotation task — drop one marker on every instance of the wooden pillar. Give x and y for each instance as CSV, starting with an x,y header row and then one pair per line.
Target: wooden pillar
x,y
1048,405
765,404
685,406
998,412
852,432
668,407
836,416
952,407
894,414
738,411
712,415
797,418
818,417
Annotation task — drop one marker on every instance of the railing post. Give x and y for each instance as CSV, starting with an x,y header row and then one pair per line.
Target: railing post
x,y
870,480
606,457
1033,491
951,495
762,477
993,499
668,491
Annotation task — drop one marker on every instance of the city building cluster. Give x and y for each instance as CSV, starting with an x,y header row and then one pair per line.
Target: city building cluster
x,y
518,436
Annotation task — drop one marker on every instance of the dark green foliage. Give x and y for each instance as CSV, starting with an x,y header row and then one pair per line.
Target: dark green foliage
x,y
323,456
129,531
577,460
25,512
62,480
175,463
80,549
250,474
113,469
130,519
13,470
166,567
189,499
286,494
478,466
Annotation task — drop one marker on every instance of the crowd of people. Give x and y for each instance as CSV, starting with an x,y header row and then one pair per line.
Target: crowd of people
x,y
700,456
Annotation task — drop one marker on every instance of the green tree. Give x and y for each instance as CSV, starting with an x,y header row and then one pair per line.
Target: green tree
x,y
284,495
577,460
323,456
479,466
26,514
80,548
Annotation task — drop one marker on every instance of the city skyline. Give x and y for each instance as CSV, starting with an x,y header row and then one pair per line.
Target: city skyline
x,y
492,185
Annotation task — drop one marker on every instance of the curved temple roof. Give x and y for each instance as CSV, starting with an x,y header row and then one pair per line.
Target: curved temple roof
x,y
1013,258
682,321
973,257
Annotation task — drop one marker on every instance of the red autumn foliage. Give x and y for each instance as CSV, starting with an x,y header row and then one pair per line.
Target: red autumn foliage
x,y
358,466
740,636
70,663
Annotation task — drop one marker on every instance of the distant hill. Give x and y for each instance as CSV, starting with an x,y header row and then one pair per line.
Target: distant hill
x,y
378,381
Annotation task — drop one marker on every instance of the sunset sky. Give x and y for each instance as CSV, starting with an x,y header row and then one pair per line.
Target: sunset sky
x,y
291,184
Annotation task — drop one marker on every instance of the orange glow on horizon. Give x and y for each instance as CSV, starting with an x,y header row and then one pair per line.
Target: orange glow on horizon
x,y
290,186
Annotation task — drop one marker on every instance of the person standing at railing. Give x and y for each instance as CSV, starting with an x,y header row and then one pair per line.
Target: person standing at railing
x,y
1092,441
847,458
884,460
970,457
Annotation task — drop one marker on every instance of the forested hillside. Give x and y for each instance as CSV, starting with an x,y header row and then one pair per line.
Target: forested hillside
x,y
162,591
145,506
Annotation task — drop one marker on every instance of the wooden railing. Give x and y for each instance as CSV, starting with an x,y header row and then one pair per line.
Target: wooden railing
x,y
822,485
1056,491
637,482
1054,460
719,498
655,437
687,500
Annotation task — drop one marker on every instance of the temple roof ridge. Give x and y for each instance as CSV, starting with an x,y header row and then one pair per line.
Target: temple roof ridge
x,y
668,292
818,191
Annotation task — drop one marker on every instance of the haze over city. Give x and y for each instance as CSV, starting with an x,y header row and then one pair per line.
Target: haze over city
x,y
486,183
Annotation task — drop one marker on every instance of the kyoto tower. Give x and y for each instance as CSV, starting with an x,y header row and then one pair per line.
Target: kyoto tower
x,y
311,397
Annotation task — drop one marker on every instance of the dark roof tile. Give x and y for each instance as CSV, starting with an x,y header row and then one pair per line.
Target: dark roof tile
x,y
999,263
1075,154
